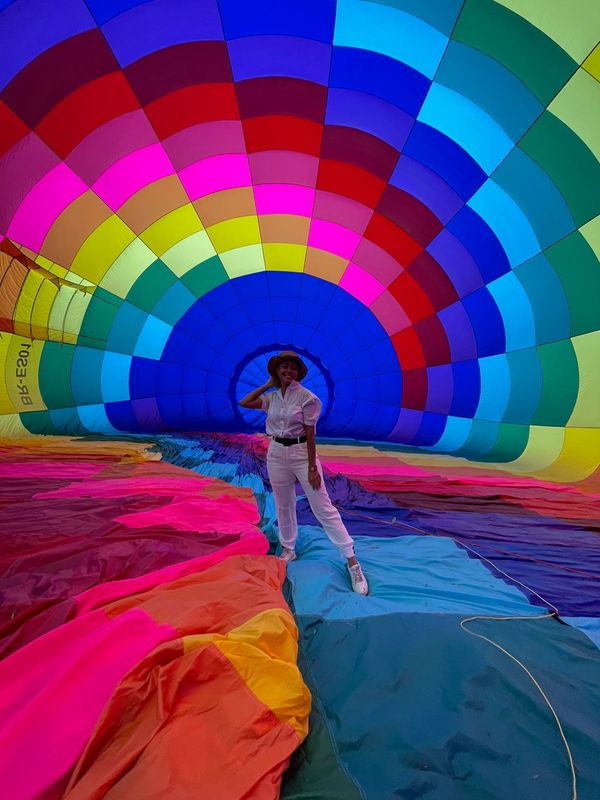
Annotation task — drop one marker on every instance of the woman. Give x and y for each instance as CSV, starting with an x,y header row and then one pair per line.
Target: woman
x,y
292,413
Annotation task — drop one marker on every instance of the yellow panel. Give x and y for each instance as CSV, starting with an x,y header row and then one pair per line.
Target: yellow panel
x,y
586,413
591,232
127,268
264,651
544,446
572,24
42,308
580,456
58,315
285,257
76,311
12,427
243,261
578,106
6,404
22,370
592,63
172,228
188,253
24,304
234,233
101,249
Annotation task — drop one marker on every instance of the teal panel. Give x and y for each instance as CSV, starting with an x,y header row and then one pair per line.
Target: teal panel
x,y
126,328
547,299
85,375
525,384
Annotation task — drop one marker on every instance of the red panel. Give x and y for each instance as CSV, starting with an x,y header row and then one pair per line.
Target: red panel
x,y
393,239
12,129
259,97
84,110
283,133
408,349
410,214
411,296
428,273
208,102
359,148
350,181
434,341
414,389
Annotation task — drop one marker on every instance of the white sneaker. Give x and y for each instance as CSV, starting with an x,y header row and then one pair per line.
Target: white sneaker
x,y
287,555
359,582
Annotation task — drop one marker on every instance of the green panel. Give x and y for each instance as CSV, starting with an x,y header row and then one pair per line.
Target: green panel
x,y
525,386
38,422
151,285
510,444
560,384
547,297
569,162
97,321
577,267
538,61
205,277
481,438
55,375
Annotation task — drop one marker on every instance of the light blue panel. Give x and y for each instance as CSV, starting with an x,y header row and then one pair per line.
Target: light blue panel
x,y
513,303
495,388
537,194
389,31
508,222
153,338
115,377
95,420
589,625
455,434
174,303
466,124
408,574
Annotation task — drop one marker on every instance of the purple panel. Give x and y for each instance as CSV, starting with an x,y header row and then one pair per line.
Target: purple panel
x,y
153,26
20,169
205,140
457,263
147,414
281,166
337,208
440,385
29,27
369,113
267,56
109,143
459,332
427,186
409,422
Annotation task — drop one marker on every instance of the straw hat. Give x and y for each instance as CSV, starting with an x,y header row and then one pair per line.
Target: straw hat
x,y
287,355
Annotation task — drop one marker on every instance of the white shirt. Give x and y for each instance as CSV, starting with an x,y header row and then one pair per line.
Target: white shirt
x,y
287,415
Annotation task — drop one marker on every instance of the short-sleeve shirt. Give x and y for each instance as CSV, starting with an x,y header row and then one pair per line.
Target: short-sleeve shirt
x,y
287,415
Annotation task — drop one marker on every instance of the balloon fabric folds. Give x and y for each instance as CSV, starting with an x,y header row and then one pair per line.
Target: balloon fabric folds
x,y
405,193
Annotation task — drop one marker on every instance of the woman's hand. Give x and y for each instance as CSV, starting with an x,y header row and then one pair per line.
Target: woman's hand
x,y
271,383
314,478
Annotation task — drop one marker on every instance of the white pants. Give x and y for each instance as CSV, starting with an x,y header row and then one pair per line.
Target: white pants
x,y
285,465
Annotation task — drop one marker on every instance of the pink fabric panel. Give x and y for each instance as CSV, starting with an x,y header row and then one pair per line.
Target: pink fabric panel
x,y
333,238
132,173
44,203
227,514
61,470
390,313
361,285
117,487
284,198
249,544
216,174
65,677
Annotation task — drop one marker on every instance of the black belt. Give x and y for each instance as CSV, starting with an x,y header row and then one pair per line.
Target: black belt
x,y
288,442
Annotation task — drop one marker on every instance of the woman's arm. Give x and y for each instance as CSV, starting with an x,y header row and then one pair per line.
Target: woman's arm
x,y
313,473
251,400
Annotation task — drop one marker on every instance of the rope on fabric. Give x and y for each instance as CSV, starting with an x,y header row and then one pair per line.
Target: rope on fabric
x,y
554,614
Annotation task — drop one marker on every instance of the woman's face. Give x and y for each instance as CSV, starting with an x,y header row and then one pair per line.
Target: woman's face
x,y
287,371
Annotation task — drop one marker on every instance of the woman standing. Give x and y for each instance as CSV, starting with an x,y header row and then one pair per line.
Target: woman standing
x,y
292,413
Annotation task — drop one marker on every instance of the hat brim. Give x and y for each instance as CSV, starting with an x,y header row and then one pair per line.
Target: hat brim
x,y
275,361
